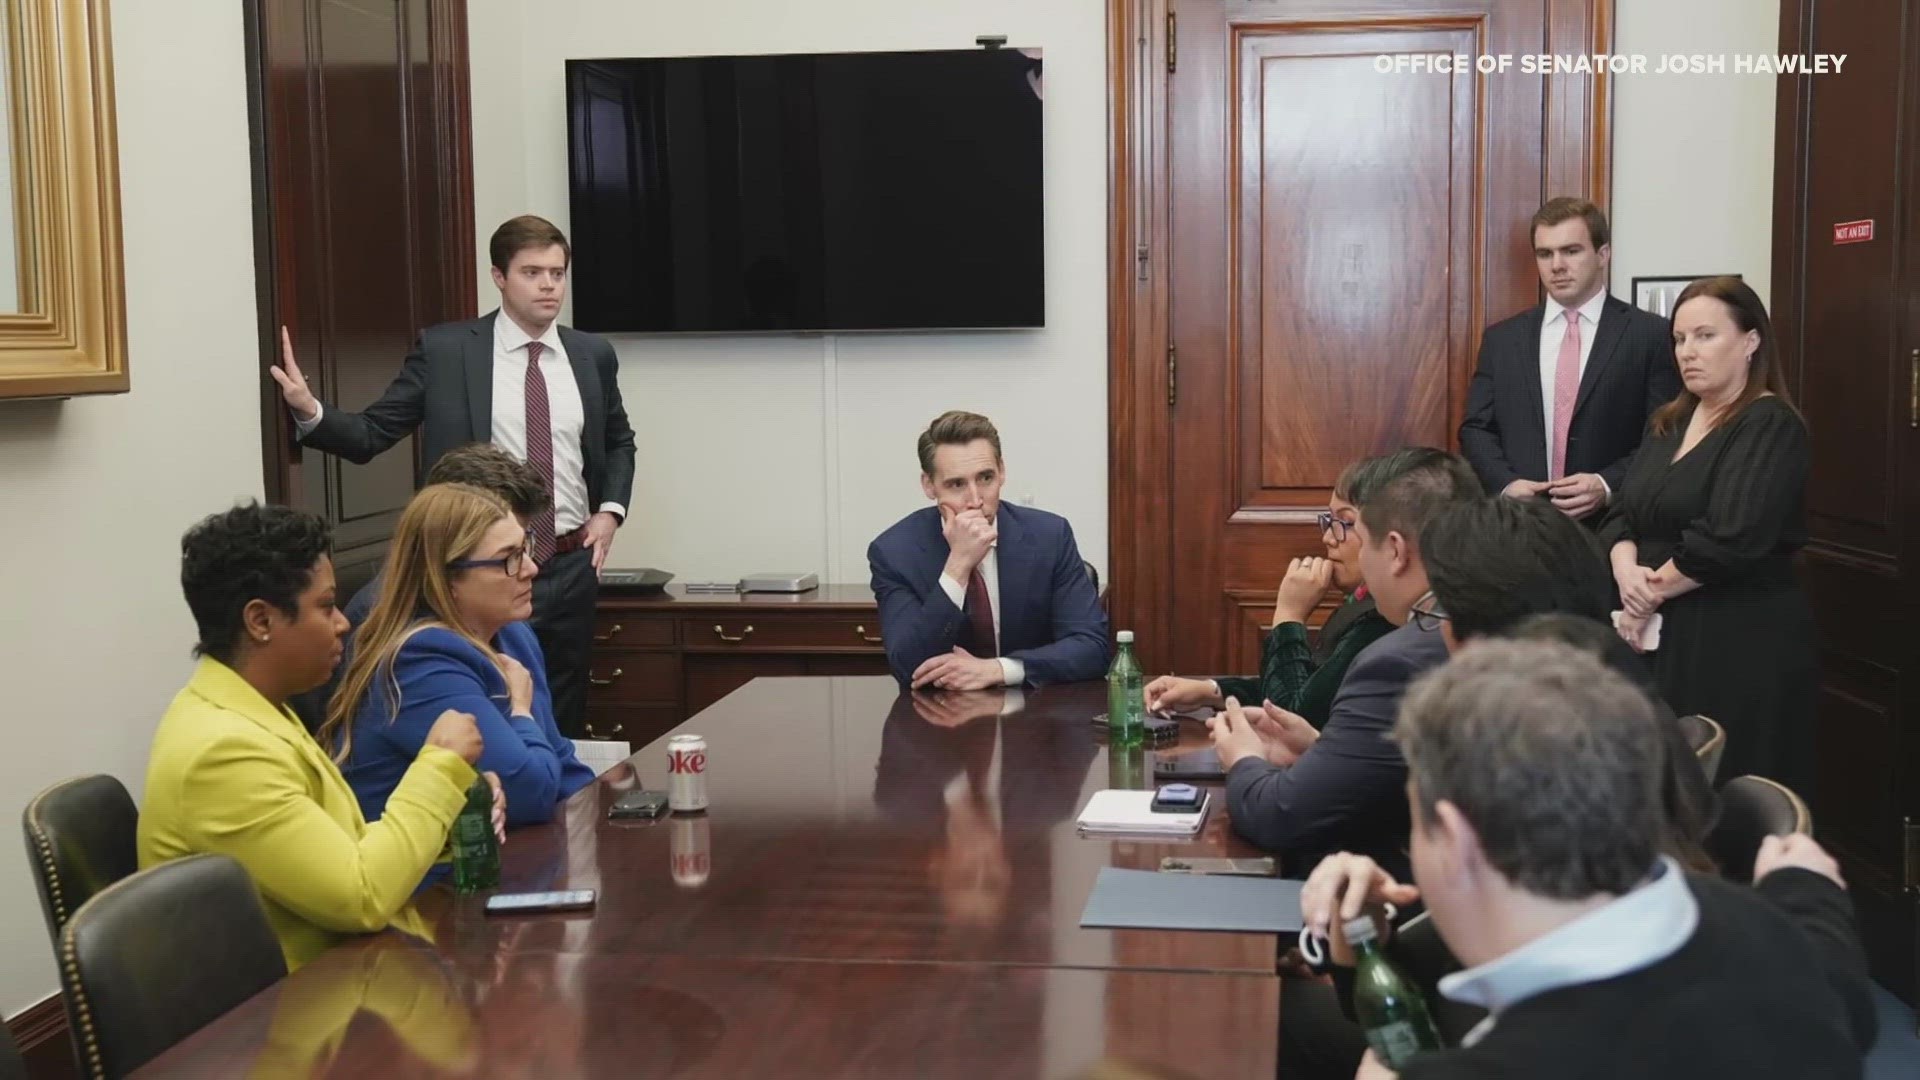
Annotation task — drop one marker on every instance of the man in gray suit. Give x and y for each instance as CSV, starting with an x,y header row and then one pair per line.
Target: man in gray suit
x,y
547,394
1304,794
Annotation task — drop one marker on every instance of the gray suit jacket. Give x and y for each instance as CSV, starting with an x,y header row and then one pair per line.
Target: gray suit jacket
x,y
445,387
1348,792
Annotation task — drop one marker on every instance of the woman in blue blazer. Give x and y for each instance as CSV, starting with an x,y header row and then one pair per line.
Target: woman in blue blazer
x,y
449,631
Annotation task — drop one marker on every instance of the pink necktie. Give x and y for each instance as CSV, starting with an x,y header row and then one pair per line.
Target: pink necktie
x,y
1566,390
540,450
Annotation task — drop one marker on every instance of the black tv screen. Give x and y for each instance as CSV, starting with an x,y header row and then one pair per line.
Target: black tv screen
x,y
824,192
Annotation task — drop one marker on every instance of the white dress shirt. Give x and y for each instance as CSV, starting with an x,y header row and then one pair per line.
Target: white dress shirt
x,y
1632,932
1012,672
565,413
1553,330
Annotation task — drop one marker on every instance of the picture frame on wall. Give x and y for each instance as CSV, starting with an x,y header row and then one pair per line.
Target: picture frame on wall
x,y
1657,294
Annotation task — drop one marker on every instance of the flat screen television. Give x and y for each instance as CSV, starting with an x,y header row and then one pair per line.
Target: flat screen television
x,y
821,192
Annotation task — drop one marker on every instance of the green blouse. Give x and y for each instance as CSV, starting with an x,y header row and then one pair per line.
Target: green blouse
x,y
1293,679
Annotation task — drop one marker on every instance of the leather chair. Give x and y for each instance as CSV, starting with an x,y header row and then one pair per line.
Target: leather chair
x,y
1753,808
1708,740
1092,575
80,839
159,955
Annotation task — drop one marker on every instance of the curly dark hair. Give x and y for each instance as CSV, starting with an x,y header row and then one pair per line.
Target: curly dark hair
x,y
248,553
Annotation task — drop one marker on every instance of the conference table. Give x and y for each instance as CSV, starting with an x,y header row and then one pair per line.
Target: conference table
x,y
885,884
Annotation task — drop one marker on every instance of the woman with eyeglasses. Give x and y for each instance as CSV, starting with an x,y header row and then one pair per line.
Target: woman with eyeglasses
x,y
449,631
1299,678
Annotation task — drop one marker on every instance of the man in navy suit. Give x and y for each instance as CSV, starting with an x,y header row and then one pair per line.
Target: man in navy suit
x,y
975,594
1564,389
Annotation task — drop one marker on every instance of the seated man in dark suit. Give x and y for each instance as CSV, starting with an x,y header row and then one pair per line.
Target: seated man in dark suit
x,y
1301,793
1565,388
974,593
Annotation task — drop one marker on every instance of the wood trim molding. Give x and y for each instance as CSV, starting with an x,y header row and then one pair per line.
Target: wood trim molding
x,y
40,1031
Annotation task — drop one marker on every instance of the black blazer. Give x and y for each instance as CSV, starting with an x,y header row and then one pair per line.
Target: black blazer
x,y
446,383
1629,374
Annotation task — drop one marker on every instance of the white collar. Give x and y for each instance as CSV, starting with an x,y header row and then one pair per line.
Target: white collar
x,y
1589,311
511,337
1632,932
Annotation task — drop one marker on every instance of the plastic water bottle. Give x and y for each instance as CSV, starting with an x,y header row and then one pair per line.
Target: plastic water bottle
x,y
1126,697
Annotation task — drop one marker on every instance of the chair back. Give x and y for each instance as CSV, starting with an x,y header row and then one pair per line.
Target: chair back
x,y
80,839
1708,740
1753,808
160,955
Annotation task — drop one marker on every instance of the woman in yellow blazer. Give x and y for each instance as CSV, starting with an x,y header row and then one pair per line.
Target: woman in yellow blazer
x,y
234,772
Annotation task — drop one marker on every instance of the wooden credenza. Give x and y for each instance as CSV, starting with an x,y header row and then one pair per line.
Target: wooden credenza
x,y
659,658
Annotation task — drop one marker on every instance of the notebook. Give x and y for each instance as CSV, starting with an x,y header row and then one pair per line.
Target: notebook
x,y
1145,900
1132,813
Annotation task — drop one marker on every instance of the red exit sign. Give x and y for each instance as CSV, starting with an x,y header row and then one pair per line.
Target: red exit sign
x,y
1853,232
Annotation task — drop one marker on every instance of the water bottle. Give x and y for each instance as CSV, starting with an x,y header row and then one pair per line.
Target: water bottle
x,y
1388,1005
476,850
1126,697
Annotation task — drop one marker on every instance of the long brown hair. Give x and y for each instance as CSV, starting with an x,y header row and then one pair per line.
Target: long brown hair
x,y
1763,367
443,523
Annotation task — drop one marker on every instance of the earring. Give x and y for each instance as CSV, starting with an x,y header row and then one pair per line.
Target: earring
x,y
264,638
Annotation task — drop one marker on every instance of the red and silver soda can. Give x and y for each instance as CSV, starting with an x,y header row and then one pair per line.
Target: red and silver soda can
x,y
687,773
690,848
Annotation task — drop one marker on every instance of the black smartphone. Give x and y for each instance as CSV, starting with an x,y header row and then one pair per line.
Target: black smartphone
x,y
528,903
1199,765
638,804
1159,731
1178,799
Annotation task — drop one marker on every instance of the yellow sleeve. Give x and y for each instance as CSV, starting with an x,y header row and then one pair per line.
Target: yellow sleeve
x,y
251,802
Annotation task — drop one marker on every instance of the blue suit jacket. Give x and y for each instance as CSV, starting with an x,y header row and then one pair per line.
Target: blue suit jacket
x,y
1347,792
1050,616
437,670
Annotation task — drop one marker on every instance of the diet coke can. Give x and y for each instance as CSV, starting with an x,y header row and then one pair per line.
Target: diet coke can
x,y
687,773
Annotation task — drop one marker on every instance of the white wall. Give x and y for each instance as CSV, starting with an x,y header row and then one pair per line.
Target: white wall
x,y
1693,154
98,490
788,453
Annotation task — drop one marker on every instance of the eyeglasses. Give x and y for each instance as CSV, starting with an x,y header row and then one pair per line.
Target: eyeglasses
x,y
511,563
1430,616
1340,527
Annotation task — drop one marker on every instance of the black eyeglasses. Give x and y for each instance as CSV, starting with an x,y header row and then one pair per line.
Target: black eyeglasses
x,y
1430,616
511,563
1340,527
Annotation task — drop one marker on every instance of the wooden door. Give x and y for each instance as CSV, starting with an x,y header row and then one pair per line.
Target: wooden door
x,y
1848,319
363,226
1311,247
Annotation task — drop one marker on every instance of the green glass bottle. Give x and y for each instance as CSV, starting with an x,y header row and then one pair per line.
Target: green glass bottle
x,y
1389,1006
1126,700
476,851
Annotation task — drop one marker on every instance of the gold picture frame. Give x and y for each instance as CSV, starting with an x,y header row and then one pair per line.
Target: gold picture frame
x,y
67,332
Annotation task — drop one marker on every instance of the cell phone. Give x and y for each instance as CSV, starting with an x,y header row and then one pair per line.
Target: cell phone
x,y
1199,765
530,902
1177,799
1261,867
1160,730
638,804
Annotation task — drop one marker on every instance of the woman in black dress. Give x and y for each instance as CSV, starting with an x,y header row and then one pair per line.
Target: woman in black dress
x,y
1703,531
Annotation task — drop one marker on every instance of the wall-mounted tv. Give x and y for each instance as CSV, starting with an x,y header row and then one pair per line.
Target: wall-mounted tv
x,y
802,193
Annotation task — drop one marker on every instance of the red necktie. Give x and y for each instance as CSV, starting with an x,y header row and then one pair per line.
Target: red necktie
x,y
980,616
1566,391
539,450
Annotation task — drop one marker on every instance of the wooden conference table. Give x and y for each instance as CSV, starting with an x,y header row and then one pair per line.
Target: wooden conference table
x,y
885,885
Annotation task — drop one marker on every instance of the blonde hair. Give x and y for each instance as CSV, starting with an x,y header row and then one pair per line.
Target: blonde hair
x,y
442,524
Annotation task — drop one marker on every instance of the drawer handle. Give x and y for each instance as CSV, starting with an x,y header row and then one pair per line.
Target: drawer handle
x,y
608,681
864,636
608,636
617,729
722,632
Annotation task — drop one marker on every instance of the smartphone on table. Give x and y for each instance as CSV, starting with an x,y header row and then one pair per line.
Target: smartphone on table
x,y
537,902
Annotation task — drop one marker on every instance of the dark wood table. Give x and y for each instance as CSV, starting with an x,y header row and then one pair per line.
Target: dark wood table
x,y
884,885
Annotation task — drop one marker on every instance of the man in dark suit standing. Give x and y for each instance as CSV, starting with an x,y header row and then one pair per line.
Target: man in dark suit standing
x,y
1564,390
975,594
547,394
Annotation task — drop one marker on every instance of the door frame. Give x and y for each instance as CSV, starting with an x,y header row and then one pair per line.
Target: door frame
x,y
1139,361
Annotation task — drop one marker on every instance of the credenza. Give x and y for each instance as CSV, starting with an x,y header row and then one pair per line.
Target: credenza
x,y
658,658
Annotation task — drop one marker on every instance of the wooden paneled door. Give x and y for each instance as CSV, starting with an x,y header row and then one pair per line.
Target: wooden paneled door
x,y
1305,249
363,227
1848,319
